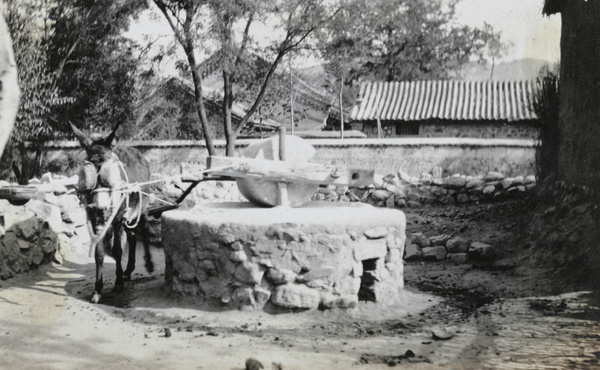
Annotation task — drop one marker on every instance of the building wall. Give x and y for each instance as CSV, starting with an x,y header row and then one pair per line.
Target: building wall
x,y
579,116
386,156
485,130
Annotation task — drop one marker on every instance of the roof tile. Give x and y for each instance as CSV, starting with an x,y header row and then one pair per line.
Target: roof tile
x,y
449,100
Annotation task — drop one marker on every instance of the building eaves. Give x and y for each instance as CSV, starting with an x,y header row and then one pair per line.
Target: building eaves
x,y
445,100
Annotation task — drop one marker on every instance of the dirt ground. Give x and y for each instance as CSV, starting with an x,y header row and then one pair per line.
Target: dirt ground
x,y
510,314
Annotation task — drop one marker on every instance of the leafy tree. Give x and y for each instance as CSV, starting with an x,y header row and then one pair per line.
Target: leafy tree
x,y
74,65
94,63
546,107
224,29
396,40
29,28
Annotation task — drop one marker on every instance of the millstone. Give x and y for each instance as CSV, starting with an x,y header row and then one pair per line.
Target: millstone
x,y
265,192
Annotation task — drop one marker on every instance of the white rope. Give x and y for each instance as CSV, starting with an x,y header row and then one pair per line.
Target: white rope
x,y
136,187
130,188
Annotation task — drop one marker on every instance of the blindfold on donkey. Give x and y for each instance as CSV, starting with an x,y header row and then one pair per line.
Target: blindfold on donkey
x,y
111,205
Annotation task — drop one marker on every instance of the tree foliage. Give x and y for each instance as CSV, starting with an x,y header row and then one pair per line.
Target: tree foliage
x,y
93,61
73,65
395,40
29,27
224,29
546,106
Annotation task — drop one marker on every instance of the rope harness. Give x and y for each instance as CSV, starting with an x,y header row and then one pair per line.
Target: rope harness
x,y
112,198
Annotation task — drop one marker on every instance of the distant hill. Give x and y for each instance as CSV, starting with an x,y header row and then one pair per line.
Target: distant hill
x,y
521,69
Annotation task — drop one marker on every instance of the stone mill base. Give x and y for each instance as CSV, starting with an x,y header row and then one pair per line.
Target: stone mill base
x,y
319,255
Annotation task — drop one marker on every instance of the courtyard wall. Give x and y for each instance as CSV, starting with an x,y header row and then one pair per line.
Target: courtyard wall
x,y
414,156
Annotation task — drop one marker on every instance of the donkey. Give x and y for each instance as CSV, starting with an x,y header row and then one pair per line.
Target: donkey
x,y
105,170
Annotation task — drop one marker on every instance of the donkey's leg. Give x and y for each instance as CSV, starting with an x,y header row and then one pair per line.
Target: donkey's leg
x,y
132,243
99,257
148,257
118,251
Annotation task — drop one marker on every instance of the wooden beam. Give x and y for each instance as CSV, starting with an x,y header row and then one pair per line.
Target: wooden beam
x,y
308,173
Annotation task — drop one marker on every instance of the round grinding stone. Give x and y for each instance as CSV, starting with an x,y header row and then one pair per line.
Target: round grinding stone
x,y
265,193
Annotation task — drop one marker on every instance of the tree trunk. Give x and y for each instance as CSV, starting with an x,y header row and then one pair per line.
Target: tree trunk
x,y
230,135
200,106
579,117
342,107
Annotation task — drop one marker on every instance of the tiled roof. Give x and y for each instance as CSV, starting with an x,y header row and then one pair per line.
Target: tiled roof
x,y
447,100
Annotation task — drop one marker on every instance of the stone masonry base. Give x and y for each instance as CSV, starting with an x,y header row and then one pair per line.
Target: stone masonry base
x,y
320,255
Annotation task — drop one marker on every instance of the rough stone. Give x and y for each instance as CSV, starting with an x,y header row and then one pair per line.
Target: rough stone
x,y
457,245
28,228
237,246
47,212
458,258
332,301
505,184
529,180
376,232
226,238
455,182
393,255
434,253
413,204
380,194
357,269
462,198
420,239
242,296
488,190
412,253
315,274
280,276
401,203
261,296
439,191
519,180
238,256
368,249
494,176
481,251
439,240
295,296
249,272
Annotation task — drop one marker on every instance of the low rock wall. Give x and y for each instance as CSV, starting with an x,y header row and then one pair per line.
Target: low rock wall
x,y
319,255
51,226
399,191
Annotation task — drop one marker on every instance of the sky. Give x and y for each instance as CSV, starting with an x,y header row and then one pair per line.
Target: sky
x,y
520,23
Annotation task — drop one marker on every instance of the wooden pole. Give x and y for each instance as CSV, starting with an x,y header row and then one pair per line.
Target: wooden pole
x,y
282,198
282,143
342,108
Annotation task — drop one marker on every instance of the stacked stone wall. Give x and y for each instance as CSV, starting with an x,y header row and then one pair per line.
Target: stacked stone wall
x,y
312,257
49,227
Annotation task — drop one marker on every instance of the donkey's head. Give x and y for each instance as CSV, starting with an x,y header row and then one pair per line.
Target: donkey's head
x,y
98,177
98,151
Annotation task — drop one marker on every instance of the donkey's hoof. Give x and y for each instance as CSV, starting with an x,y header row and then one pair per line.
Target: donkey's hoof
x,y
126,277
95,297
119,287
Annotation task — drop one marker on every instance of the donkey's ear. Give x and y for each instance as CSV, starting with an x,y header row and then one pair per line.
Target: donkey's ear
x,y
109,140
83,138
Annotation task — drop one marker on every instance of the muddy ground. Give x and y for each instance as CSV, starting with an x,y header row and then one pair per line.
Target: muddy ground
x,y
514,313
